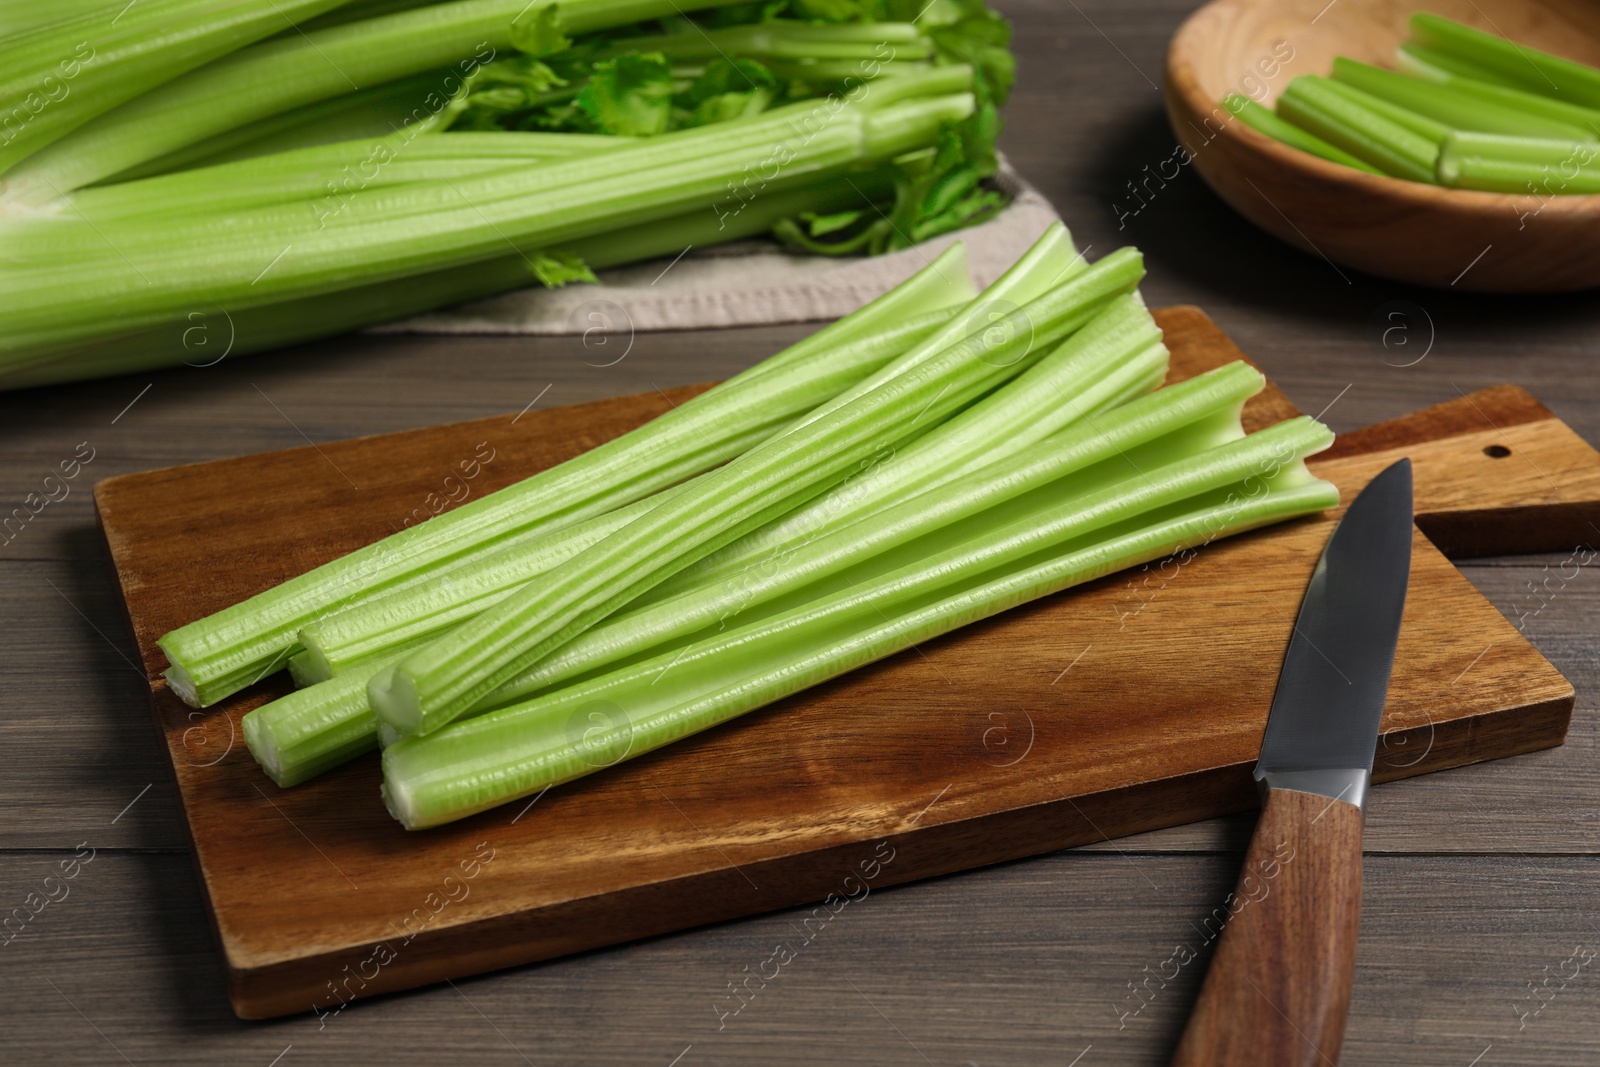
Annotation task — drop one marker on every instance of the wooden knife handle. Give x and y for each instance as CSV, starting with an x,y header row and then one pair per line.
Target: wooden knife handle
x,y
1278,989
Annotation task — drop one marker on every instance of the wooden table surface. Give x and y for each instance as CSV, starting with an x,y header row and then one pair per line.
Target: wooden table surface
x,y
1482,915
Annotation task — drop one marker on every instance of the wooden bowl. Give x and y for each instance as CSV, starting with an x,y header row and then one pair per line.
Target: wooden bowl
x,y
1407,231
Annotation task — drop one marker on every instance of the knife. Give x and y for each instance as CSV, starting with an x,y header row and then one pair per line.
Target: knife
x,y
1278,988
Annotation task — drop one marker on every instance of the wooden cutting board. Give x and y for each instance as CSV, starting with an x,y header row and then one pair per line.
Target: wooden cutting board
x,y
1133,703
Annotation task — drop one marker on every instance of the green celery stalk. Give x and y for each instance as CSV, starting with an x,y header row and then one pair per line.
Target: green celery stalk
x,y
310,731
1416,122
200,338
1336,115
248,262
1265,121
1455,110
1495,163
19,18
293,71
1049,396
1430,63
439,682
345,639
837,71
1479,84
1052,260
475,765
224,652
788,39
356,10
415,105
58,76
797,140
1148,432
323,177
1529,68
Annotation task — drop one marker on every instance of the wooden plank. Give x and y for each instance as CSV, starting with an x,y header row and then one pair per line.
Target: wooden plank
x,y
1023,963
348,387
1103,758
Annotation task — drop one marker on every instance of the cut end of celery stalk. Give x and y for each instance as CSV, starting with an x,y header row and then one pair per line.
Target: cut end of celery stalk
x,y
395,700
179,682
263,745
1449,106
312,730
1535,166
1269,124
1366,128
201,677
309,666
397,799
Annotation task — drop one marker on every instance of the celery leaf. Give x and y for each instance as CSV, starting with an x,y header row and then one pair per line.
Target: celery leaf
x,y
630,96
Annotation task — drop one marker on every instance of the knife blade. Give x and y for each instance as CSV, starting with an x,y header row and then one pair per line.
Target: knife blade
x,y
1278,988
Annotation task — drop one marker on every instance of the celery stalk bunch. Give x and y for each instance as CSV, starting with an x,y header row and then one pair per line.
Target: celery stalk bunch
x,y
939,456
304,168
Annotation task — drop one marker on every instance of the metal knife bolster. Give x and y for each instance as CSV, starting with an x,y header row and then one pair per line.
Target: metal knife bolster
x,y
1347,785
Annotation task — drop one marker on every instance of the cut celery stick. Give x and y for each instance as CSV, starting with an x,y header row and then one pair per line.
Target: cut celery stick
x,y
1414,121
1481,85
1265,121
229,650
486,761
1493,163
439,682
1458,111
1317,105
1531,69
1430,63
299,736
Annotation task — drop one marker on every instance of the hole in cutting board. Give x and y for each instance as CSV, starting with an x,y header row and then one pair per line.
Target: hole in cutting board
x,y
1497,451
